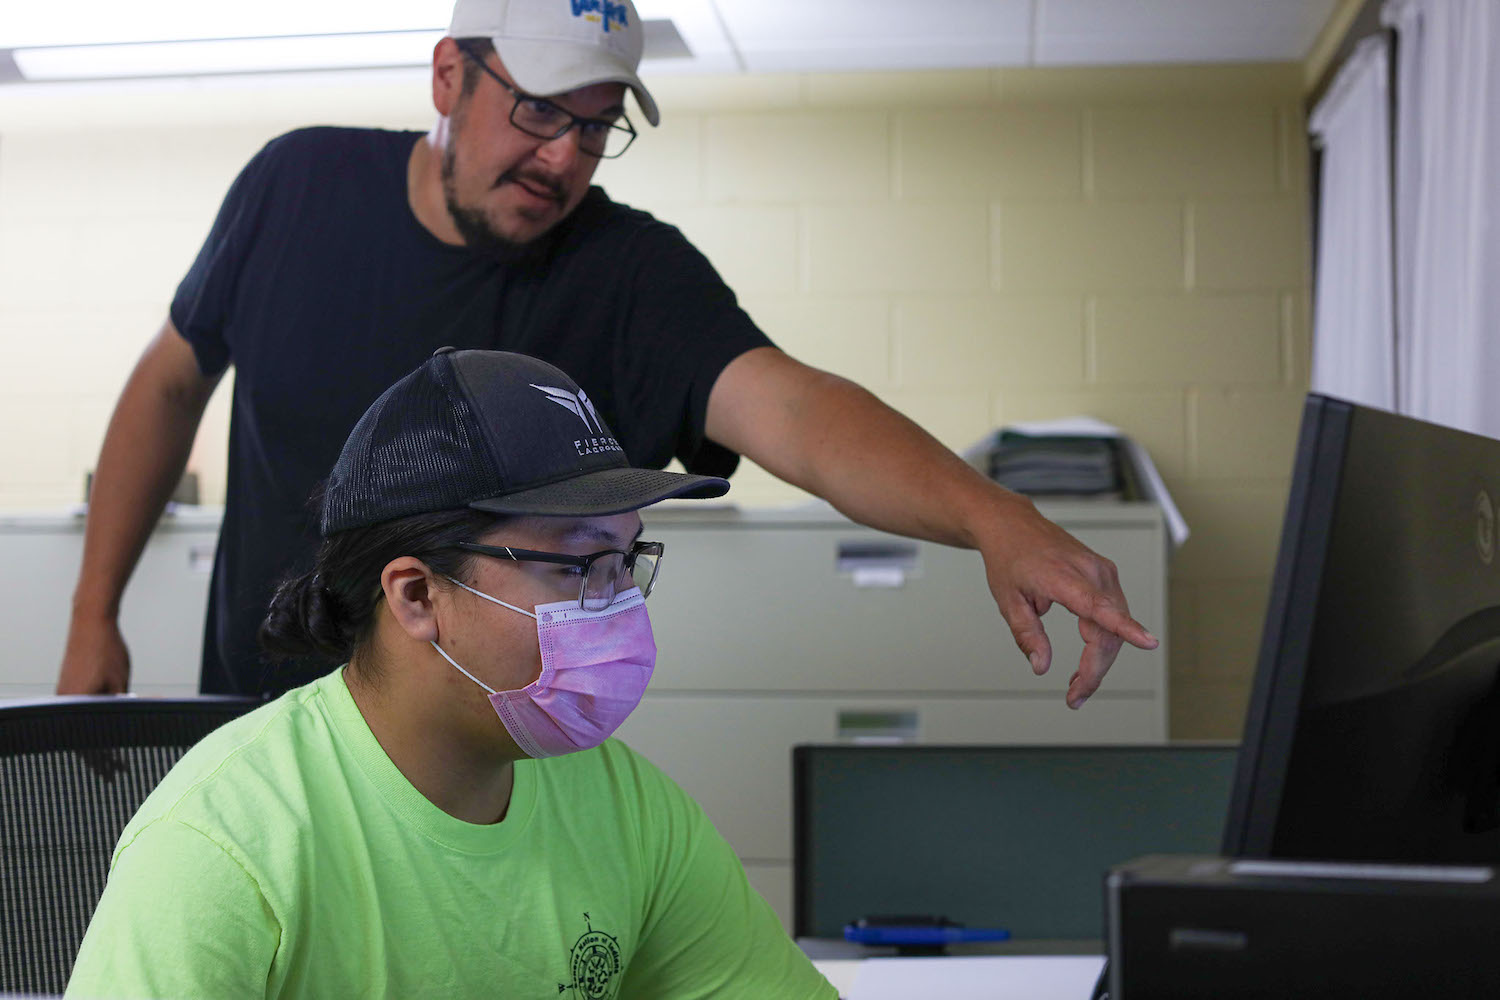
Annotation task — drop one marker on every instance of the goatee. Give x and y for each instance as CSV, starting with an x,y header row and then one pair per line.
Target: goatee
x,y
475,228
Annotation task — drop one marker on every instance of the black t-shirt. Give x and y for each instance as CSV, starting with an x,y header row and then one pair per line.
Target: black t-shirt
x,y
322,289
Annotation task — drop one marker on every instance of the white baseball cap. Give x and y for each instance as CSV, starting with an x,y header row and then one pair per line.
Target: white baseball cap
x,y
554,46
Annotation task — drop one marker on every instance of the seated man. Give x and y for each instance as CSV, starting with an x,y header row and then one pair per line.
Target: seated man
x,y
445,815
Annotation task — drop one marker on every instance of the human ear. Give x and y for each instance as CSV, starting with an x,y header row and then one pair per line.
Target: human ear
x,y
409,591
447,76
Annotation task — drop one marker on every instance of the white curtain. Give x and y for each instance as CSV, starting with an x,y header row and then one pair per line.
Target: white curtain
x,y
1448,210
1354,324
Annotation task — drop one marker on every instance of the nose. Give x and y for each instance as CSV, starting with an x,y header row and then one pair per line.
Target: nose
x,y
560,153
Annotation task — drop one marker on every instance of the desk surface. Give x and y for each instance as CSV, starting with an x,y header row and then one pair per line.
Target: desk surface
x,y
988,977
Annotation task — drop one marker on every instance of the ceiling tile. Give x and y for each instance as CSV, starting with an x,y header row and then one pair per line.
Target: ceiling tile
x,y
701,31
786,35
1146,31
870,56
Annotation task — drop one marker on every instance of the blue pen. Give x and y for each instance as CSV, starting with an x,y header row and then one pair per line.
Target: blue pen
x,y
918,932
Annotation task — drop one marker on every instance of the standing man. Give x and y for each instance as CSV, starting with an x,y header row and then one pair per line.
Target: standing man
x,y
343,257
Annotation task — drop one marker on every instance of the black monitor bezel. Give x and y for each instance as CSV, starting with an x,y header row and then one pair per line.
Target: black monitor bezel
x,y
1281,668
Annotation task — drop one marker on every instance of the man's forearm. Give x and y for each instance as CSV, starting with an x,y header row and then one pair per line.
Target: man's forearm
x,y
145,450
878,467
838,441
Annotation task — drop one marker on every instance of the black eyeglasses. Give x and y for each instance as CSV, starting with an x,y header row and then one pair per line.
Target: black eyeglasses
x,y
598,572
541,119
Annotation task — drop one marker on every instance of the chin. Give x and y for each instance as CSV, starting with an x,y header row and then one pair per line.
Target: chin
x,y
525,224
523,235
514,228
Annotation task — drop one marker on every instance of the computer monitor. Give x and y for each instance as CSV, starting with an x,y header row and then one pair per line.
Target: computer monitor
x,y
1373,729
992,836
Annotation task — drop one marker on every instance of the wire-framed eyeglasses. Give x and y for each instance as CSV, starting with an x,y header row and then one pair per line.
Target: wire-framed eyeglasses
x,y
542,119
599,573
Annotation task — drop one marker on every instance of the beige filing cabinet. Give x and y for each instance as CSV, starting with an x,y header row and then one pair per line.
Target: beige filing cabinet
x,y
161,616
775,627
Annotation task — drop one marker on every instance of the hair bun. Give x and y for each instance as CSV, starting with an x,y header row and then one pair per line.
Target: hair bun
x,y
306,618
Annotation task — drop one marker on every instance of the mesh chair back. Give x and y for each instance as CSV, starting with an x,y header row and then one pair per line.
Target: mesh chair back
x,y
72,773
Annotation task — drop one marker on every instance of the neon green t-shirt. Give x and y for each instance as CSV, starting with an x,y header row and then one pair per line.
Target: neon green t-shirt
x,y
286,856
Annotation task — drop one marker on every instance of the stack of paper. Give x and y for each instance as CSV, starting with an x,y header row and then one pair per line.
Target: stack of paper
x,y
1151,486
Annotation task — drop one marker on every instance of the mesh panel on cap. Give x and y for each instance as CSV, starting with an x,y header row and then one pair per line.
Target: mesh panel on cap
x,y
416,450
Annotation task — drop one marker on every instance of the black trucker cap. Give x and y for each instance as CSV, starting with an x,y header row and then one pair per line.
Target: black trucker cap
x,y
495,431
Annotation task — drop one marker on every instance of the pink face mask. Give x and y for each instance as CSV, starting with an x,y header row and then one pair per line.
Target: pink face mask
x,y
595,668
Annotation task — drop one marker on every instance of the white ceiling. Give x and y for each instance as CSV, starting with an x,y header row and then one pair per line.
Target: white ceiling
x,y
736,36
811,35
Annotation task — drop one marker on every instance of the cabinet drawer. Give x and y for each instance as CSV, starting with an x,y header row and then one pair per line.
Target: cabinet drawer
x,y
840,608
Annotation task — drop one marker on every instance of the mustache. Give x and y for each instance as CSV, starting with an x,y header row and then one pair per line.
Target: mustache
x,y
535,180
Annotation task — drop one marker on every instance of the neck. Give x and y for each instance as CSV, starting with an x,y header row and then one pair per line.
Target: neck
x,y
424,185
423,736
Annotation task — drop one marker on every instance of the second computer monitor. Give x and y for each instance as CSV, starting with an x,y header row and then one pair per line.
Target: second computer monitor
x,y
1373,732
992,836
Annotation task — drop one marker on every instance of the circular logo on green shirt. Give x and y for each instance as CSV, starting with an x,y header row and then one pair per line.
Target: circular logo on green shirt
x,y
595,965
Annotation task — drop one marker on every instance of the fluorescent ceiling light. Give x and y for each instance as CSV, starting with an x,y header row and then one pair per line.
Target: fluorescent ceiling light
x,y
109,22
227,55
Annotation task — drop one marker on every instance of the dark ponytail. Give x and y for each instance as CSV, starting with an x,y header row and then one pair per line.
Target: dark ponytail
x,y
329,611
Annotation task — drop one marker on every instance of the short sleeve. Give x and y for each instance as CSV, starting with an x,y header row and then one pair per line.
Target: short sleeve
x,y
708,933
205,297
179,918
684,326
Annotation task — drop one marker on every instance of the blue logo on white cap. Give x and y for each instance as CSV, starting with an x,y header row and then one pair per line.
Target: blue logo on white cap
x,y
601,12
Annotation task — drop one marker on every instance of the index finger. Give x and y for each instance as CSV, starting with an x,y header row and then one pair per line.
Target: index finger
x,y
1108,610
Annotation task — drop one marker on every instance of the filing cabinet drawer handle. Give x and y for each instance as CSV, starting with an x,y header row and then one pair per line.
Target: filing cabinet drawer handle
x,y
877,563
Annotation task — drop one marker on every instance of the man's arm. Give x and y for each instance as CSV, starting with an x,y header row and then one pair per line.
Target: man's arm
x,y
834,439
145,450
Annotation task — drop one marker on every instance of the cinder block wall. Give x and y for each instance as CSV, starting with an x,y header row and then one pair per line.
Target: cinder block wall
x,y
976,247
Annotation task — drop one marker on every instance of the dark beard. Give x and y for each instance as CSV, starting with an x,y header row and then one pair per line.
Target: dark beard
x,y
476,230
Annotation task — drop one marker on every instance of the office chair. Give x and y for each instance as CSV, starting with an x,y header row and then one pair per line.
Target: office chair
x,y
72,773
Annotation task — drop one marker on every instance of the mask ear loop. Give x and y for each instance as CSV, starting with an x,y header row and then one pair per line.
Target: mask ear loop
x,y
492,600
487,597
461,670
